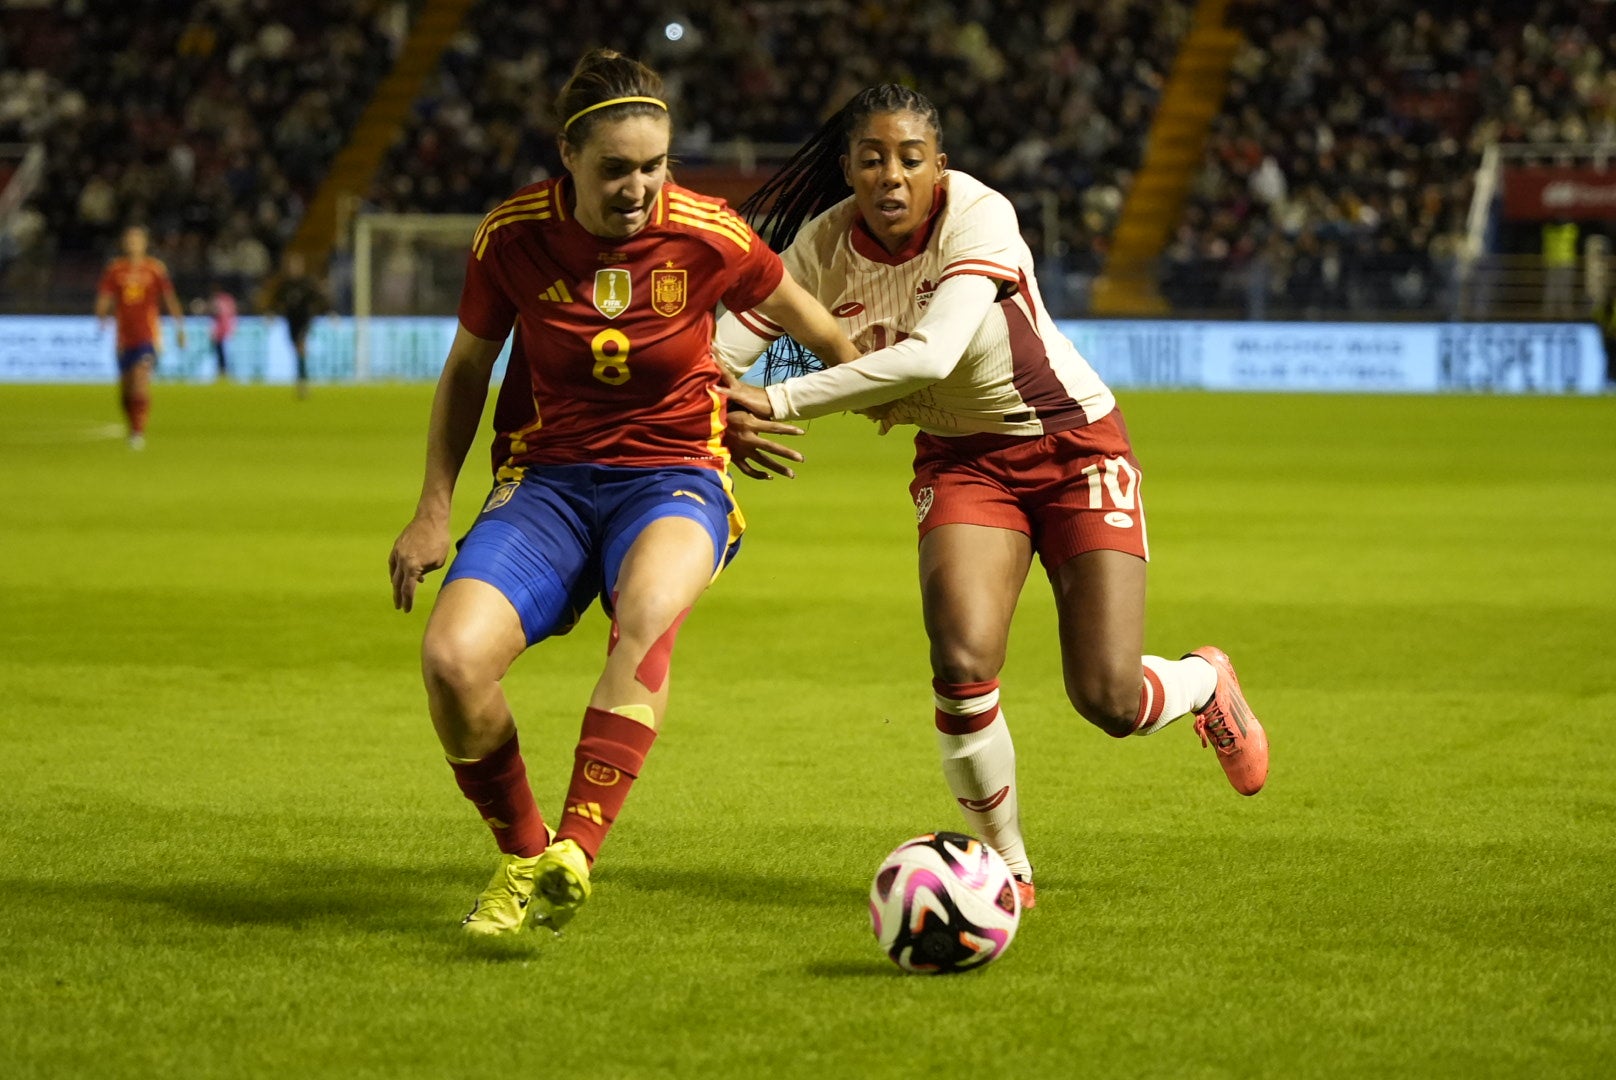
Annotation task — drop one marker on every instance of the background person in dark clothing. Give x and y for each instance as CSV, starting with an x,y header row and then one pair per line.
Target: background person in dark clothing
x,y
299,298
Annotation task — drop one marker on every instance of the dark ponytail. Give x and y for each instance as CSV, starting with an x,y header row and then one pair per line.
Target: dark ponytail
x,y
605,75
812,182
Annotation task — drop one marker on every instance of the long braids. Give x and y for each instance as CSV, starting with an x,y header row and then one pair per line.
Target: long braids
x,y
812,182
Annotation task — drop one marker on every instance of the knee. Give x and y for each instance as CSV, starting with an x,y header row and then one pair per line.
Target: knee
x,y
1108,700
966,662
451,662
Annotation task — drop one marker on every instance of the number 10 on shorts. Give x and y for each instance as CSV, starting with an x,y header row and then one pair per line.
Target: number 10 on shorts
x,y
1113,475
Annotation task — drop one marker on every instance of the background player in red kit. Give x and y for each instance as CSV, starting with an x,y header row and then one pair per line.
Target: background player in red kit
x,y
609,465
129,290
1022,448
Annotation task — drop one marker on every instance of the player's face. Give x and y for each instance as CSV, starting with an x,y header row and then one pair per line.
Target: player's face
x,y
893,167
617,174
134,243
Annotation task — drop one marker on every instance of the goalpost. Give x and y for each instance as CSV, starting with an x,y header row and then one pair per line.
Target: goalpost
x,y
406,265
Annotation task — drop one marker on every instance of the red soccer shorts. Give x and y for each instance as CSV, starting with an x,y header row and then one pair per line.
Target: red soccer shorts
x,y
1071,492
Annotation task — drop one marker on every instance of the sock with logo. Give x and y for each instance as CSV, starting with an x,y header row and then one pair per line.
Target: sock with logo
x,y
497,786
611,751
1172,688
979,763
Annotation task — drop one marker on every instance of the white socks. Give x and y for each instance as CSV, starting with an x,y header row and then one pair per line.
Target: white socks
x,y
1173,688
979,763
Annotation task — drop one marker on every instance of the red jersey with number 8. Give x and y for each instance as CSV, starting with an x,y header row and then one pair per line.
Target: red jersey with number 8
x,y
612,359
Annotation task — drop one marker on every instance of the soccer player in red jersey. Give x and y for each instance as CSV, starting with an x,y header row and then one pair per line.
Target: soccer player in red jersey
x,y
129,290
609,466
1022,448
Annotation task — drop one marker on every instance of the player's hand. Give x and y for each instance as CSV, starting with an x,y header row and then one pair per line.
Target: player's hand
x,y
421,548
751,452
179,338
751,398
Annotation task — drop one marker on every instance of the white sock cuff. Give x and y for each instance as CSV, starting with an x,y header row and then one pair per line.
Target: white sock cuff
x,y
972,706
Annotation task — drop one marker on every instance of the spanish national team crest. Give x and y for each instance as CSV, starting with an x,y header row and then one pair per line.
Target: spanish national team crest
x,y
500,495
613,288
667,292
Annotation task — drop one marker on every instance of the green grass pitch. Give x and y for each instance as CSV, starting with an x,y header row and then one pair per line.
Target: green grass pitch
x,y
231,847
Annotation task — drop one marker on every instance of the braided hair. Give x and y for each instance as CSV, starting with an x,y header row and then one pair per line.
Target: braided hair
x,y
811,182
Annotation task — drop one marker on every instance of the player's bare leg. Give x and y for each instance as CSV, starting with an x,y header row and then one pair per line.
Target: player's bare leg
x,y
1100,601
472,638
134,388
970,579
666,569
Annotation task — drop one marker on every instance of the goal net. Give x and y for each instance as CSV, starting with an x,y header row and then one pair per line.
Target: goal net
x,y
406,266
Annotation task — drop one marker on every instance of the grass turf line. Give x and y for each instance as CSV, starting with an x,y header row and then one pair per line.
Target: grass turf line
x,y
231,848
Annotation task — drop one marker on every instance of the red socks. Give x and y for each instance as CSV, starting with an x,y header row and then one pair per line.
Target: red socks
x,y
136,407
497,786
611,752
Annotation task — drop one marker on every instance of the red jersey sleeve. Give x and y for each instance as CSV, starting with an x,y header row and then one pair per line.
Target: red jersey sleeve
x,y
756,278
106,285
485,309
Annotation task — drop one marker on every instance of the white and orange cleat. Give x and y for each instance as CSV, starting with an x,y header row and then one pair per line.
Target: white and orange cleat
x,y
1228,723
1026,893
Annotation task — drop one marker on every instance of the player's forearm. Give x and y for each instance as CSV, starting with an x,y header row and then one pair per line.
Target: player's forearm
x,y
795,310
103,307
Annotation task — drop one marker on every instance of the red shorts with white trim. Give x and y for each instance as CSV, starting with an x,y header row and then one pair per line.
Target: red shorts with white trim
x,y
1071,492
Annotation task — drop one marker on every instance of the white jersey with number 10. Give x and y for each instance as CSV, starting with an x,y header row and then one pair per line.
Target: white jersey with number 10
x,y
971,362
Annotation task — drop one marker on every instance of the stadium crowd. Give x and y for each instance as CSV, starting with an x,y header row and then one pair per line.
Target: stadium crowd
x,y
1339,175
212,122
1036,98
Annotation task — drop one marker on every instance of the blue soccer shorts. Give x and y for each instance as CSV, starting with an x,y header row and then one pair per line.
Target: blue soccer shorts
x,y
128,358
556,538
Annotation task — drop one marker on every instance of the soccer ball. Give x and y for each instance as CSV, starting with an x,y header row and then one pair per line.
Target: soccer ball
x,y
942,903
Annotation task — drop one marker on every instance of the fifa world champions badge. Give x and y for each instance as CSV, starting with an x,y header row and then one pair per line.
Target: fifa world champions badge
x,y
668,291
613,289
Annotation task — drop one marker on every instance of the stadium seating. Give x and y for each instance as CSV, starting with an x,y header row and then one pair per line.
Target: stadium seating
x,y
1339,175
1050,103
212,121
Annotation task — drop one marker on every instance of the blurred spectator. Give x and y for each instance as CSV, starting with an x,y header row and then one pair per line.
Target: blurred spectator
x,y
212,120
1049,102
1339,174
222,309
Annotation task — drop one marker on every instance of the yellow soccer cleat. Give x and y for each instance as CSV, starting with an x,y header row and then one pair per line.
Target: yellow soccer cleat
x,y
561,884
502,907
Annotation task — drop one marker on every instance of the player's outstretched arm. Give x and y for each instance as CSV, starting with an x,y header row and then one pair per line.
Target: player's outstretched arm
x,y
930,353
457,406
171,298
805,318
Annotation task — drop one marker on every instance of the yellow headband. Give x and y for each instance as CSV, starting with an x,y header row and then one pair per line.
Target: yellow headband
x,y
614,101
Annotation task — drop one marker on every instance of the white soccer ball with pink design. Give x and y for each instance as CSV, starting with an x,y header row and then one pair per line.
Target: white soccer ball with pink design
x,y
942,903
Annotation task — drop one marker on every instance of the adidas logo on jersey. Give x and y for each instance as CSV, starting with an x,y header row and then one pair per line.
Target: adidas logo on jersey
x,y
557,292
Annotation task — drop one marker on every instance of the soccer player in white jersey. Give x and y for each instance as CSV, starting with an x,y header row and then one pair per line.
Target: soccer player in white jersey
x,y
1021,447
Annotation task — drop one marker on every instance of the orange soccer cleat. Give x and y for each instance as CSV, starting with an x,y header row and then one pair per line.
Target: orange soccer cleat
x,y
1227,722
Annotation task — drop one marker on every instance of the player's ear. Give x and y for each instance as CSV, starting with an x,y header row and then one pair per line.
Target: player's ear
x,y
846,174
568,156
942,163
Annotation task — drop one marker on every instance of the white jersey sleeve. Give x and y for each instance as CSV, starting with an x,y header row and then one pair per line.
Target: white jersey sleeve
x,y
743,336
929,353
